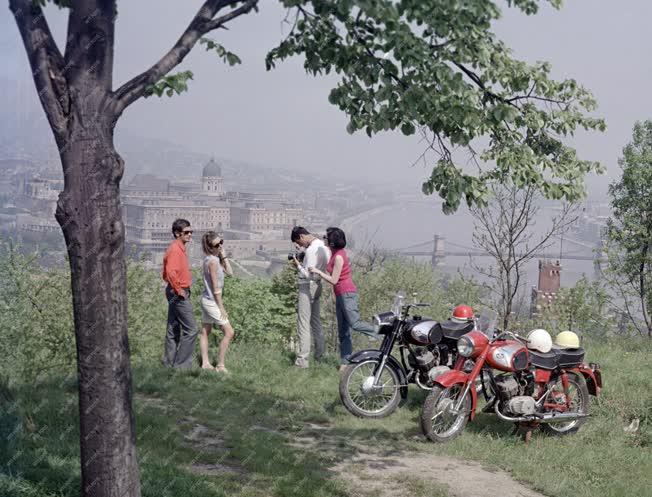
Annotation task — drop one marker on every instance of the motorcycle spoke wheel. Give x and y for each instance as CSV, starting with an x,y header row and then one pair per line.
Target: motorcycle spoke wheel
x,y
439,420
579,403
362,398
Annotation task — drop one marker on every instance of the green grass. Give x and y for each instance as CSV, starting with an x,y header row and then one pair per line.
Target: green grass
x,y
270,429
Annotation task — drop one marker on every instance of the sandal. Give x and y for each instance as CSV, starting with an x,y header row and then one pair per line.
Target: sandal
x,y
221,369
210,367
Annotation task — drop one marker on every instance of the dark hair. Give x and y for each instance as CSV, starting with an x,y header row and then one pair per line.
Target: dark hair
x,y
297,231
207,243
178,226
336,238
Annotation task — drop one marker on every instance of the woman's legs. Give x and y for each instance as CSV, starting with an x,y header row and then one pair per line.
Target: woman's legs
x,y
351,310
203,346
343,330
224,345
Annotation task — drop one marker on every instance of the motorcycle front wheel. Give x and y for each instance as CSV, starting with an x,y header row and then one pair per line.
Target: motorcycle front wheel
x,y
365,399
440,422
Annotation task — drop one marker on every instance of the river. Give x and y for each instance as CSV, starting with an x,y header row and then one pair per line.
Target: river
x,y
398,226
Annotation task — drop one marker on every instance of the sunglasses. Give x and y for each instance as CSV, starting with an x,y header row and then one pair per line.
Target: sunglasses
x,y
186,232
218,243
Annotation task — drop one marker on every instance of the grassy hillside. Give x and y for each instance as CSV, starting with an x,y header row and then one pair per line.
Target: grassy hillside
x,y
269,429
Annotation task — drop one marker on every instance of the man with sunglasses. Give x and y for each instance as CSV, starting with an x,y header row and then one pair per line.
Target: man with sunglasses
x,y
181,328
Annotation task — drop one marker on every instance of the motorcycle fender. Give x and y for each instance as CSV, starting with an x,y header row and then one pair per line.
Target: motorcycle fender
x,y
455,377
593,379
367,354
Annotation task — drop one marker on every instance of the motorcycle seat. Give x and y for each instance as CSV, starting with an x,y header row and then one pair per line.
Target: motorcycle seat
x,y
557,358
567,358
454,330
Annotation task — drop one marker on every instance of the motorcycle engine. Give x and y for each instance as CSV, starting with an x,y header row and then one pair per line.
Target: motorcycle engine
x,y
521,404
508,385
423,359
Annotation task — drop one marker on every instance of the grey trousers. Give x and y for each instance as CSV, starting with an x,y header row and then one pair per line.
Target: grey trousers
x,y
309,323
181,331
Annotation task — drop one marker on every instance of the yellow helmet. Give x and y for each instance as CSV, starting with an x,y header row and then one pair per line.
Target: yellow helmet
x,y
567,340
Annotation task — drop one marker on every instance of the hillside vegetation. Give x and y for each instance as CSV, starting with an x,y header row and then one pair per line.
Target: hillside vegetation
x,y
269,429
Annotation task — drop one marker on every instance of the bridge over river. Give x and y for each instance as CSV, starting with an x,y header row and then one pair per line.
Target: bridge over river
x,y
438,249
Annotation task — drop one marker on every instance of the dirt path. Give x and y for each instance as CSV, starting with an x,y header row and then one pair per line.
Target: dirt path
x,y
368,468
370,471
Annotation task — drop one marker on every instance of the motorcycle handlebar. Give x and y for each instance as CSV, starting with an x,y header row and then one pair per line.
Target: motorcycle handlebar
x,y
511,334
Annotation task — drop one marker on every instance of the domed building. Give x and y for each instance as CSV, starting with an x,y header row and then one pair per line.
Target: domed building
x,y
212,182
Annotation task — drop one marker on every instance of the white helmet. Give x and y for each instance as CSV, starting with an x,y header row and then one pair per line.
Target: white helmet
x,y
540,340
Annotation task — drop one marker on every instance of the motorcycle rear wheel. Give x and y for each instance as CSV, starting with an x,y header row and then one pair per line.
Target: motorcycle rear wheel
x,y
579,394
378,401
438,423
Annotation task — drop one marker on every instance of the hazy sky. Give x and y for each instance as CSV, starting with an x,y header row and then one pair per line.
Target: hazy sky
x,y
283,118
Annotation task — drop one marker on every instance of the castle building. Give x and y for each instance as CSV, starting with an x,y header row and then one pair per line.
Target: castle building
x,y
151,204
212,183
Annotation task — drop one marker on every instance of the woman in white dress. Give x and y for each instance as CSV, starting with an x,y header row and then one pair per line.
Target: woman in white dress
x,y
215,266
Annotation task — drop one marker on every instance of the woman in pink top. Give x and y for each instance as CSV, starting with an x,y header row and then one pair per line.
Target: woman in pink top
x,y
338,274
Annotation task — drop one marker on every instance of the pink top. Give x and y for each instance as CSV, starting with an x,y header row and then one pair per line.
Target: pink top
x,y
345,283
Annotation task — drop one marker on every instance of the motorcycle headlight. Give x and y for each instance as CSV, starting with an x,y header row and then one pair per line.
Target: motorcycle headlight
x,y
383,322
465,346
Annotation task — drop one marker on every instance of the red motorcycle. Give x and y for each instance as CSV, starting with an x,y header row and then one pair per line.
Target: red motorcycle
x,y
547,389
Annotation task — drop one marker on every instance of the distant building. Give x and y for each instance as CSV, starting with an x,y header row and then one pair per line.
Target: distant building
x,y
548,285
151,204
256,224
212,183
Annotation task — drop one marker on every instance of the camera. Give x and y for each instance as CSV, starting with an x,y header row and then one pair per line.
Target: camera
x,y
298,255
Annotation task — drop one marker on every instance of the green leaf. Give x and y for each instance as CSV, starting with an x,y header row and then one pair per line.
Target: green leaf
x,y
408,128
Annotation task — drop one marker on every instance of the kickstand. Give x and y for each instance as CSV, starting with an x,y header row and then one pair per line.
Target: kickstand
x,y
525,430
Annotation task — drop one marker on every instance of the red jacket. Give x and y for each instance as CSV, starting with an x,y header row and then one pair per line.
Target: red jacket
x,y
176,269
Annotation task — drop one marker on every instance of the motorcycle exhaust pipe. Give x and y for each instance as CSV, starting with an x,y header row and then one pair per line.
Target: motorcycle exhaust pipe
x,y
548,417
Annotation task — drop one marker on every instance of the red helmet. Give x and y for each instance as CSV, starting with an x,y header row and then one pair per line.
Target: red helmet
x,y
462,314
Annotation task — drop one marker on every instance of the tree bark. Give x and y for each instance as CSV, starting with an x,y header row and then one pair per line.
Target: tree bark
x,y
89,213
75,91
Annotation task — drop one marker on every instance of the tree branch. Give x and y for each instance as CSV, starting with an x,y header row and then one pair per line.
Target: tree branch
x,y
46,62
89,43
203,22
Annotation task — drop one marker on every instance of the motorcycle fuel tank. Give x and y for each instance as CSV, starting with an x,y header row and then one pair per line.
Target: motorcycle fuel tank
x,y
508,356
424,332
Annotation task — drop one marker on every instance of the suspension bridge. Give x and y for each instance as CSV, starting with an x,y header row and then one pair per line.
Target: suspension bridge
x,y
438,249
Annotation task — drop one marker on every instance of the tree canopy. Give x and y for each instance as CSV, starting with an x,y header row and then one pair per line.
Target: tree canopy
x,y
629,230
436,67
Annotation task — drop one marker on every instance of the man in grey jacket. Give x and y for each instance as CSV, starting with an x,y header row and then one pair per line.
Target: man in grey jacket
x,y
308,320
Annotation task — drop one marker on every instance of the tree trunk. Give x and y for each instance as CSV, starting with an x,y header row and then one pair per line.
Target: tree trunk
x,y
89,213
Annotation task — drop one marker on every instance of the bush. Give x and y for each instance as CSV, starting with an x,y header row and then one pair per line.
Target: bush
x,y
584,308
35,316
378,287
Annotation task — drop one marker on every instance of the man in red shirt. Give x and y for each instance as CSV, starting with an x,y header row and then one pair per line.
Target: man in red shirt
x,y
181,329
